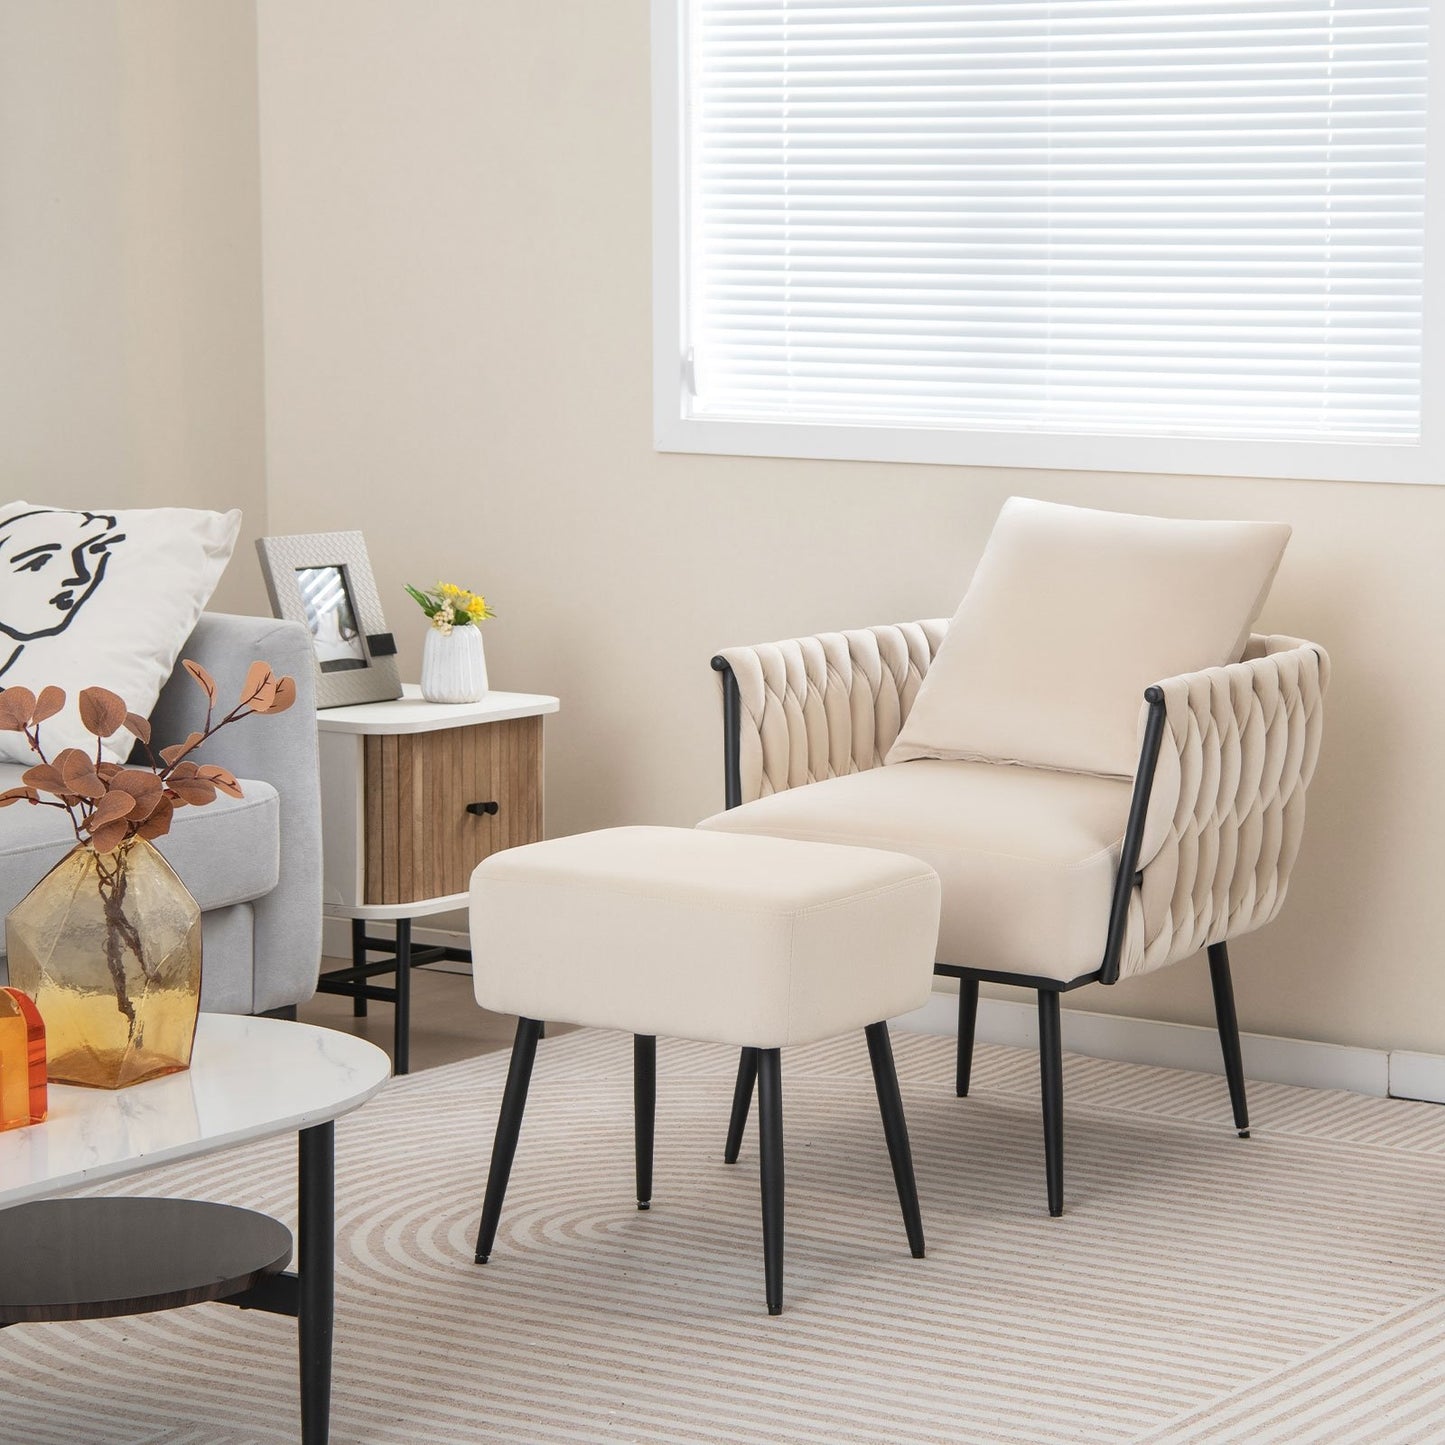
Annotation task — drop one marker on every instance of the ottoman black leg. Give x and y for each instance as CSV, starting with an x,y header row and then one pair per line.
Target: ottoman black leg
x,y
509,1126
644,1110
895,1130
742,1102
770,1132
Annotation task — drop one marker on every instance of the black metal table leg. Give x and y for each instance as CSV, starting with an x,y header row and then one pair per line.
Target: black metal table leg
x,y
358,958
401,1039
644,1110
316,1277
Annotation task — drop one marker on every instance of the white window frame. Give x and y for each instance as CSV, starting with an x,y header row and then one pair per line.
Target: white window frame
x,y
676,430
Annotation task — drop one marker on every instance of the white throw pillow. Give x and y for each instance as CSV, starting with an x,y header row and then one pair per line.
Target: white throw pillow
x,y
101,599
1071,614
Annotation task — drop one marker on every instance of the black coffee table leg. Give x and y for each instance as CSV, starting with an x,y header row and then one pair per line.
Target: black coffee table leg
x,y
317,1278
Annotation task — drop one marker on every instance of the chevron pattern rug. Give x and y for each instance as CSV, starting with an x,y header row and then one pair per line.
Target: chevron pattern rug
x,y
1200,1288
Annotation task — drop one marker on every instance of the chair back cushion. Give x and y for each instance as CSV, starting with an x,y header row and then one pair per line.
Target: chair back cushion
x,y
1071,614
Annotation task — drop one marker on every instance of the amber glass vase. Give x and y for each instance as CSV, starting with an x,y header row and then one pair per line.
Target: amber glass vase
x,y
109,947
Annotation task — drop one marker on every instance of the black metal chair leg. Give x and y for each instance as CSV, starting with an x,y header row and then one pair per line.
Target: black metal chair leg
x,y
1229,1034
742,1102
401,1037
770,1136
895,1130
358,958
509,1126
1051,1078
644,1111
967,1019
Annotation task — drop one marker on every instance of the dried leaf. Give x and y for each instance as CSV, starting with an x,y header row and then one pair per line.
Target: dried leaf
x,y
101,711
159,822
109,809
77,773
138,726
18,795
285,695
176,751
17,707
184,770
259,689
50,701
44,778
196,791
223,779
144,788
204,678
110,837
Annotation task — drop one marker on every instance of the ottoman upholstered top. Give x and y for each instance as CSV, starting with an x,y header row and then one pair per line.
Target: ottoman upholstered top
x,y
729,938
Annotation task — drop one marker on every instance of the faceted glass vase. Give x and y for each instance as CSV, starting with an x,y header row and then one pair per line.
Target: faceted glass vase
x,y
109,948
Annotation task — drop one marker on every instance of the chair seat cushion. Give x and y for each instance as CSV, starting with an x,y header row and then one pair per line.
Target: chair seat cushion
x,y
1026,856
757,942
226,852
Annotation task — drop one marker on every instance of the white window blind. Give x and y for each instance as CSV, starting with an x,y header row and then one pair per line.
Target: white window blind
x,y
1176,218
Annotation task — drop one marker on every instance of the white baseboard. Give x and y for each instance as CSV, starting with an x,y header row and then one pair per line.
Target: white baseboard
x,y
1304,1062
1395,1073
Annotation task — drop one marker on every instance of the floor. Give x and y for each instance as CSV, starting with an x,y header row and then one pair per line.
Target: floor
x,y
446,1024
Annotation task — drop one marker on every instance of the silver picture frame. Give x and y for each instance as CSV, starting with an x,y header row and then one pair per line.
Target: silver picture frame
x,y
323,580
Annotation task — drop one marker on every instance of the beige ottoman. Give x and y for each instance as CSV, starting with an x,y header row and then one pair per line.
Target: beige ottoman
x,y
731,938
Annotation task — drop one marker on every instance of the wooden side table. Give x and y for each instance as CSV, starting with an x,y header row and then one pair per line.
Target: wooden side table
x,y
413,796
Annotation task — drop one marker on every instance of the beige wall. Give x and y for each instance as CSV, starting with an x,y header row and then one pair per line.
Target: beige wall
x,y
130,277
456,244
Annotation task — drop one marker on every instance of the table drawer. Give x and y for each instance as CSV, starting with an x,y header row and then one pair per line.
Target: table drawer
x,y
420,840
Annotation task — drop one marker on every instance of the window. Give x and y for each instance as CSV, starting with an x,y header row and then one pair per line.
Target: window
x,y
1158,235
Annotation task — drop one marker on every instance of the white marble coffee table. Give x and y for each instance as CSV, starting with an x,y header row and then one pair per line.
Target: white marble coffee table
x,y
250,1078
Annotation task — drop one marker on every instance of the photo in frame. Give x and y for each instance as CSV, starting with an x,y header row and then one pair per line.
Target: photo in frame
x,y
323,581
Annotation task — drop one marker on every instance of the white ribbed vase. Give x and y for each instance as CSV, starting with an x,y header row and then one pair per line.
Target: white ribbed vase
x,y
453,665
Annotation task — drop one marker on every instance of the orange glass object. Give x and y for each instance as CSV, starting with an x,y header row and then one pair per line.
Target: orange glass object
x,y
22,1061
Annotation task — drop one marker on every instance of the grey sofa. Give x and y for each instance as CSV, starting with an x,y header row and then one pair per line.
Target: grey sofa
x,y
254,863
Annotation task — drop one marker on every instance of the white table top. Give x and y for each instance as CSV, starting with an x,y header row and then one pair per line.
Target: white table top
x,y
411,713
249,1078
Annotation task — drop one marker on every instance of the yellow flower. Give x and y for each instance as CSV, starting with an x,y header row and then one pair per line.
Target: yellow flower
x,y
449,589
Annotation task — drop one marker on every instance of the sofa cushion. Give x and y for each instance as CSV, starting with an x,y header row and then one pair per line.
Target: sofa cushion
x,y
227,852
1026,857
1071,614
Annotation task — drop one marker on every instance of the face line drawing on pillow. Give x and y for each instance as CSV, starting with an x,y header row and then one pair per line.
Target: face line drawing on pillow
x,y
67,552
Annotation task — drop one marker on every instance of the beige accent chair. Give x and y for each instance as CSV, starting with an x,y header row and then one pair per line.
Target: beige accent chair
x,y
1051,879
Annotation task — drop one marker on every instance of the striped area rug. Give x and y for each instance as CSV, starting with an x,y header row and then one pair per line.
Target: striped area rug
x,y
1199,1288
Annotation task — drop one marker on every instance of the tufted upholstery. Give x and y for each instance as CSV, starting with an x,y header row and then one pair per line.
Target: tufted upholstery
x,y
1228,800
823,707
1228,805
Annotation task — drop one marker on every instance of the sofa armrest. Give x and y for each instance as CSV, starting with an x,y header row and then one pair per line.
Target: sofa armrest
x,y
1237,753
280,750
810,708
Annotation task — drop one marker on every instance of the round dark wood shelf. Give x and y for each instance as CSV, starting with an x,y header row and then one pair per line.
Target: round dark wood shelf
x,y
90,1259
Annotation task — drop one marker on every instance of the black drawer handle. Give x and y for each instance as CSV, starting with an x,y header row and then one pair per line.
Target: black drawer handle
x,y
479,810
